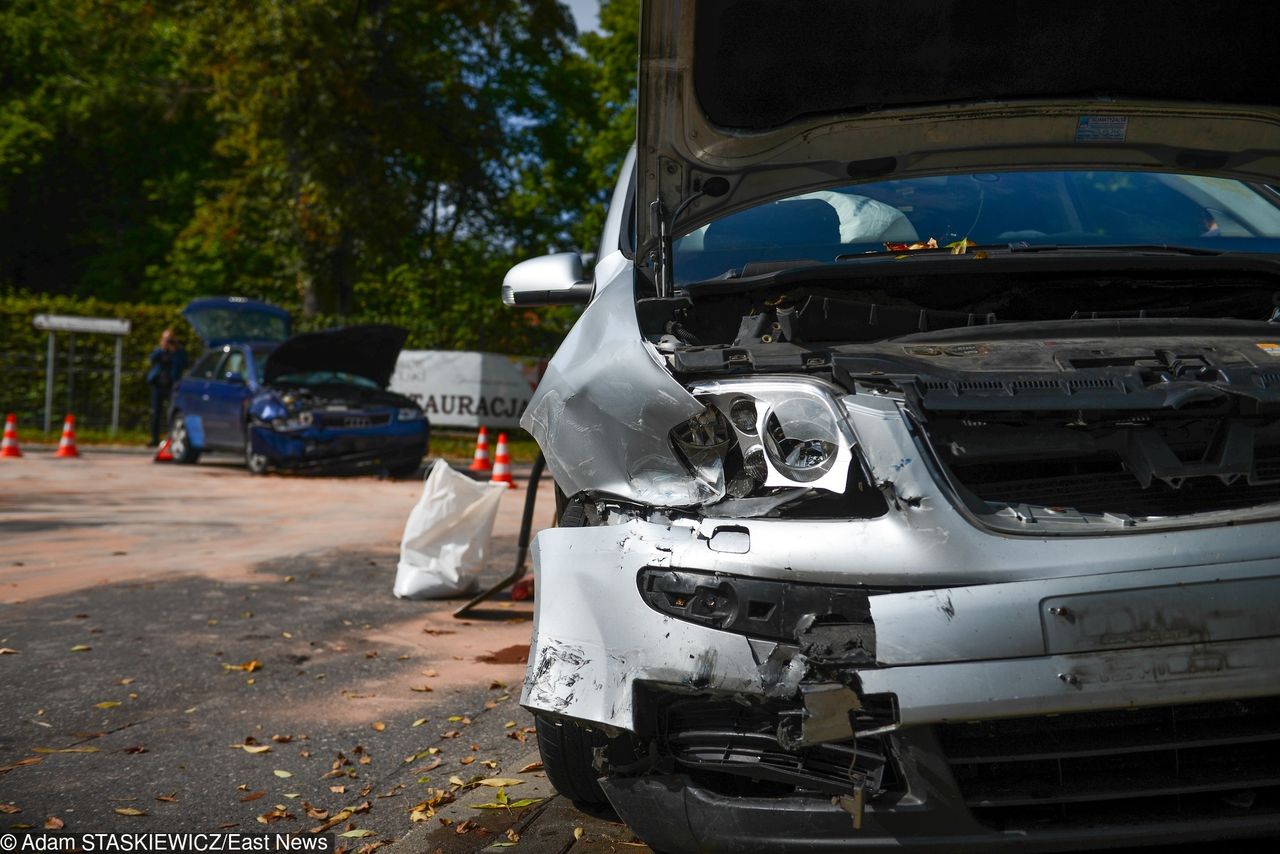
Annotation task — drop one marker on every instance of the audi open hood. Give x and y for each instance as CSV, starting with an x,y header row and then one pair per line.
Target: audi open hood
x,y
368,351
741,101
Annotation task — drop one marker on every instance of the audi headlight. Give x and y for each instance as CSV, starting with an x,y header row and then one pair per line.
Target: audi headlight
x,y
777,433
409,413
294,421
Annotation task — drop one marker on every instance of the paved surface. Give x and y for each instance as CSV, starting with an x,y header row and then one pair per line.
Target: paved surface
x,y
164,618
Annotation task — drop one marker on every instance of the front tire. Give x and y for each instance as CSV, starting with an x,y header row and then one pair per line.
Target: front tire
x,y
180,445
255,463
568,757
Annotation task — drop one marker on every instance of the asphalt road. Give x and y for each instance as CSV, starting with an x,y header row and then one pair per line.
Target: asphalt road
x,y
161,663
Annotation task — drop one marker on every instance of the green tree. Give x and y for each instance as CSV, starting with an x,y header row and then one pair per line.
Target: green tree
x,y
103,143
360,138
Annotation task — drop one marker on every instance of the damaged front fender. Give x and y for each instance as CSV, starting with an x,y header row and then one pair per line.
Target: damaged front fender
x,y
604,410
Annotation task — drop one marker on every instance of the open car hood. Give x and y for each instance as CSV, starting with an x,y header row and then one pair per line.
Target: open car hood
x,y
223,320
742,101
368,351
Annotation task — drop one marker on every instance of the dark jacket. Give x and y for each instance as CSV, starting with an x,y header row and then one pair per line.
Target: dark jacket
x,y
167,367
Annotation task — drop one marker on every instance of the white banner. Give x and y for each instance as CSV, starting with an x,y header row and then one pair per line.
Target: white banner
x,y
465,389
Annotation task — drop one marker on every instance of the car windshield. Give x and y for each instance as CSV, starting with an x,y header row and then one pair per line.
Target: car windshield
x,y
1077,208
260,355
325,378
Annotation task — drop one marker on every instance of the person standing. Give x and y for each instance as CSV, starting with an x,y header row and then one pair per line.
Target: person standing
x,y
168,362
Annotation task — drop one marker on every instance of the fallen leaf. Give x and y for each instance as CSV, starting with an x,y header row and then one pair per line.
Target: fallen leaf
x,y
128,811
282,739
436,632
432,673
456,781
80,648
356,834
253,796
65,750
137,748
314,812
107,704
168,799
126,681
8,650
277,814
509,724
496,782
453,733
495,685
30,760
54,823
10,809
379,726
190,710
425,689
464,827
338,790
419,722
280,773
577,833
248,667
467,760
341,816
515,805
251,748
532,766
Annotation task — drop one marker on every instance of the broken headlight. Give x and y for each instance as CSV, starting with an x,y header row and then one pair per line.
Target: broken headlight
x,y
295,421
784,432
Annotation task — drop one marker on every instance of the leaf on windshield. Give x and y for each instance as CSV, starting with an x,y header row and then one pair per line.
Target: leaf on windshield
x,y
931,243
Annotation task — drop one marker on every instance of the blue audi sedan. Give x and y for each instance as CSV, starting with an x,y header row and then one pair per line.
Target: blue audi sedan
x,y
315,401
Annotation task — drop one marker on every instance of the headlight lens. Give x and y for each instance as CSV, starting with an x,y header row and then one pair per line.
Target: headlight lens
x,y
296,421
801,438
409,413
703,441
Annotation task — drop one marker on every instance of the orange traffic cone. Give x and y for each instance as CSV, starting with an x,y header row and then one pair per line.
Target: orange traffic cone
x,y
9,445
502,464
480,462
163,454
67,444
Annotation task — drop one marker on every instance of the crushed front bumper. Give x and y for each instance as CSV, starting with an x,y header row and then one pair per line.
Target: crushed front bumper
x,y
1103,627
393,447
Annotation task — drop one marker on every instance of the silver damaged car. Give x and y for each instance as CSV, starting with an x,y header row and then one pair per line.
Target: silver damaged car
x,y
919,443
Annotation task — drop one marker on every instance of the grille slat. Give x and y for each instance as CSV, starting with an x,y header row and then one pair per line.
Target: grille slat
x,y
1079,767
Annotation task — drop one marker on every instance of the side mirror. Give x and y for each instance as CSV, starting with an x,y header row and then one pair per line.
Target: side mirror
x,y
548,280
234,377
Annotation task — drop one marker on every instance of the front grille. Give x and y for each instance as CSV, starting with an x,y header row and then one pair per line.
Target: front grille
x,y
1169,762
1120,492
352,420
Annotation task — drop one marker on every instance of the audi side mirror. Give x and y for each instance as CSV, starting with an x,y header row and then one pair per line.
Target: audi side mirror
x,y
548,280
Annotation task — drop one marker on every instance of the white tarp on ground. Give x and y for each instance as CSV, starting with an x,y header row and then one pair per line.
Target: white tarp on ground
x,y
446,540
466,389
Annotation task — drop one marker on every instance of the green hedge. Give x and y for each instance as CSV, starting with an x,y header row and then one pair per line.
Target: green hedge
x,y
86,389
